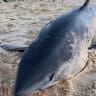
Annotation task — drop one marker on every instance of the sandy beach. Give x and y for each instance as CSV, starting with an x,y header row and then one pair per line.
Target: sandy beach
x,y
20,24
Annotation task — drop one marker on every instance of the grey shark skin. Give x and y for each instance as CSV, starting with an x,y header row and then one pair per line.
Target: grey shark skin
x,y
59,52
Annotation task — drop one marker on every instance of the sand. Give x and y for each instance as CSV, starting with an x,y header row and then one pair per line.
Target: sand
x,y
20,24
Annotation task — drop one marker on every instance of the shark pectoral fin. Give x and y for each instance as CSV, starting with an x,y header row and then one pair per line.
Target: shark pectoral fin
x,y
13,47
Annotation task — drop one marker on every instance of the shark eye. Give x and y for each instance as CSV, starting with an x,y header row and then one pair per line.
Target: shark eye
x,y
52,76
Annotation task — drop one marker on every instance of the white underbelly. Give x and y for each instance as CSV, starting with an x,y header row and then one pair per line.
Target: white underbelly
x,y
75,64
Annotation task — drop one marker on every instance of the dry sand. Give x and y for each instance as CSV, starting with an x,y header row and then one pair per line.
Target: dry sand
x,y
20,23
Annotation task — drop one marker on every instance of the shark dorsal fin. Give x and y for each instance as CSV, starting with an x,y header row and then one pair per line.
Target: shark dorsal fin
x,y
85,5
